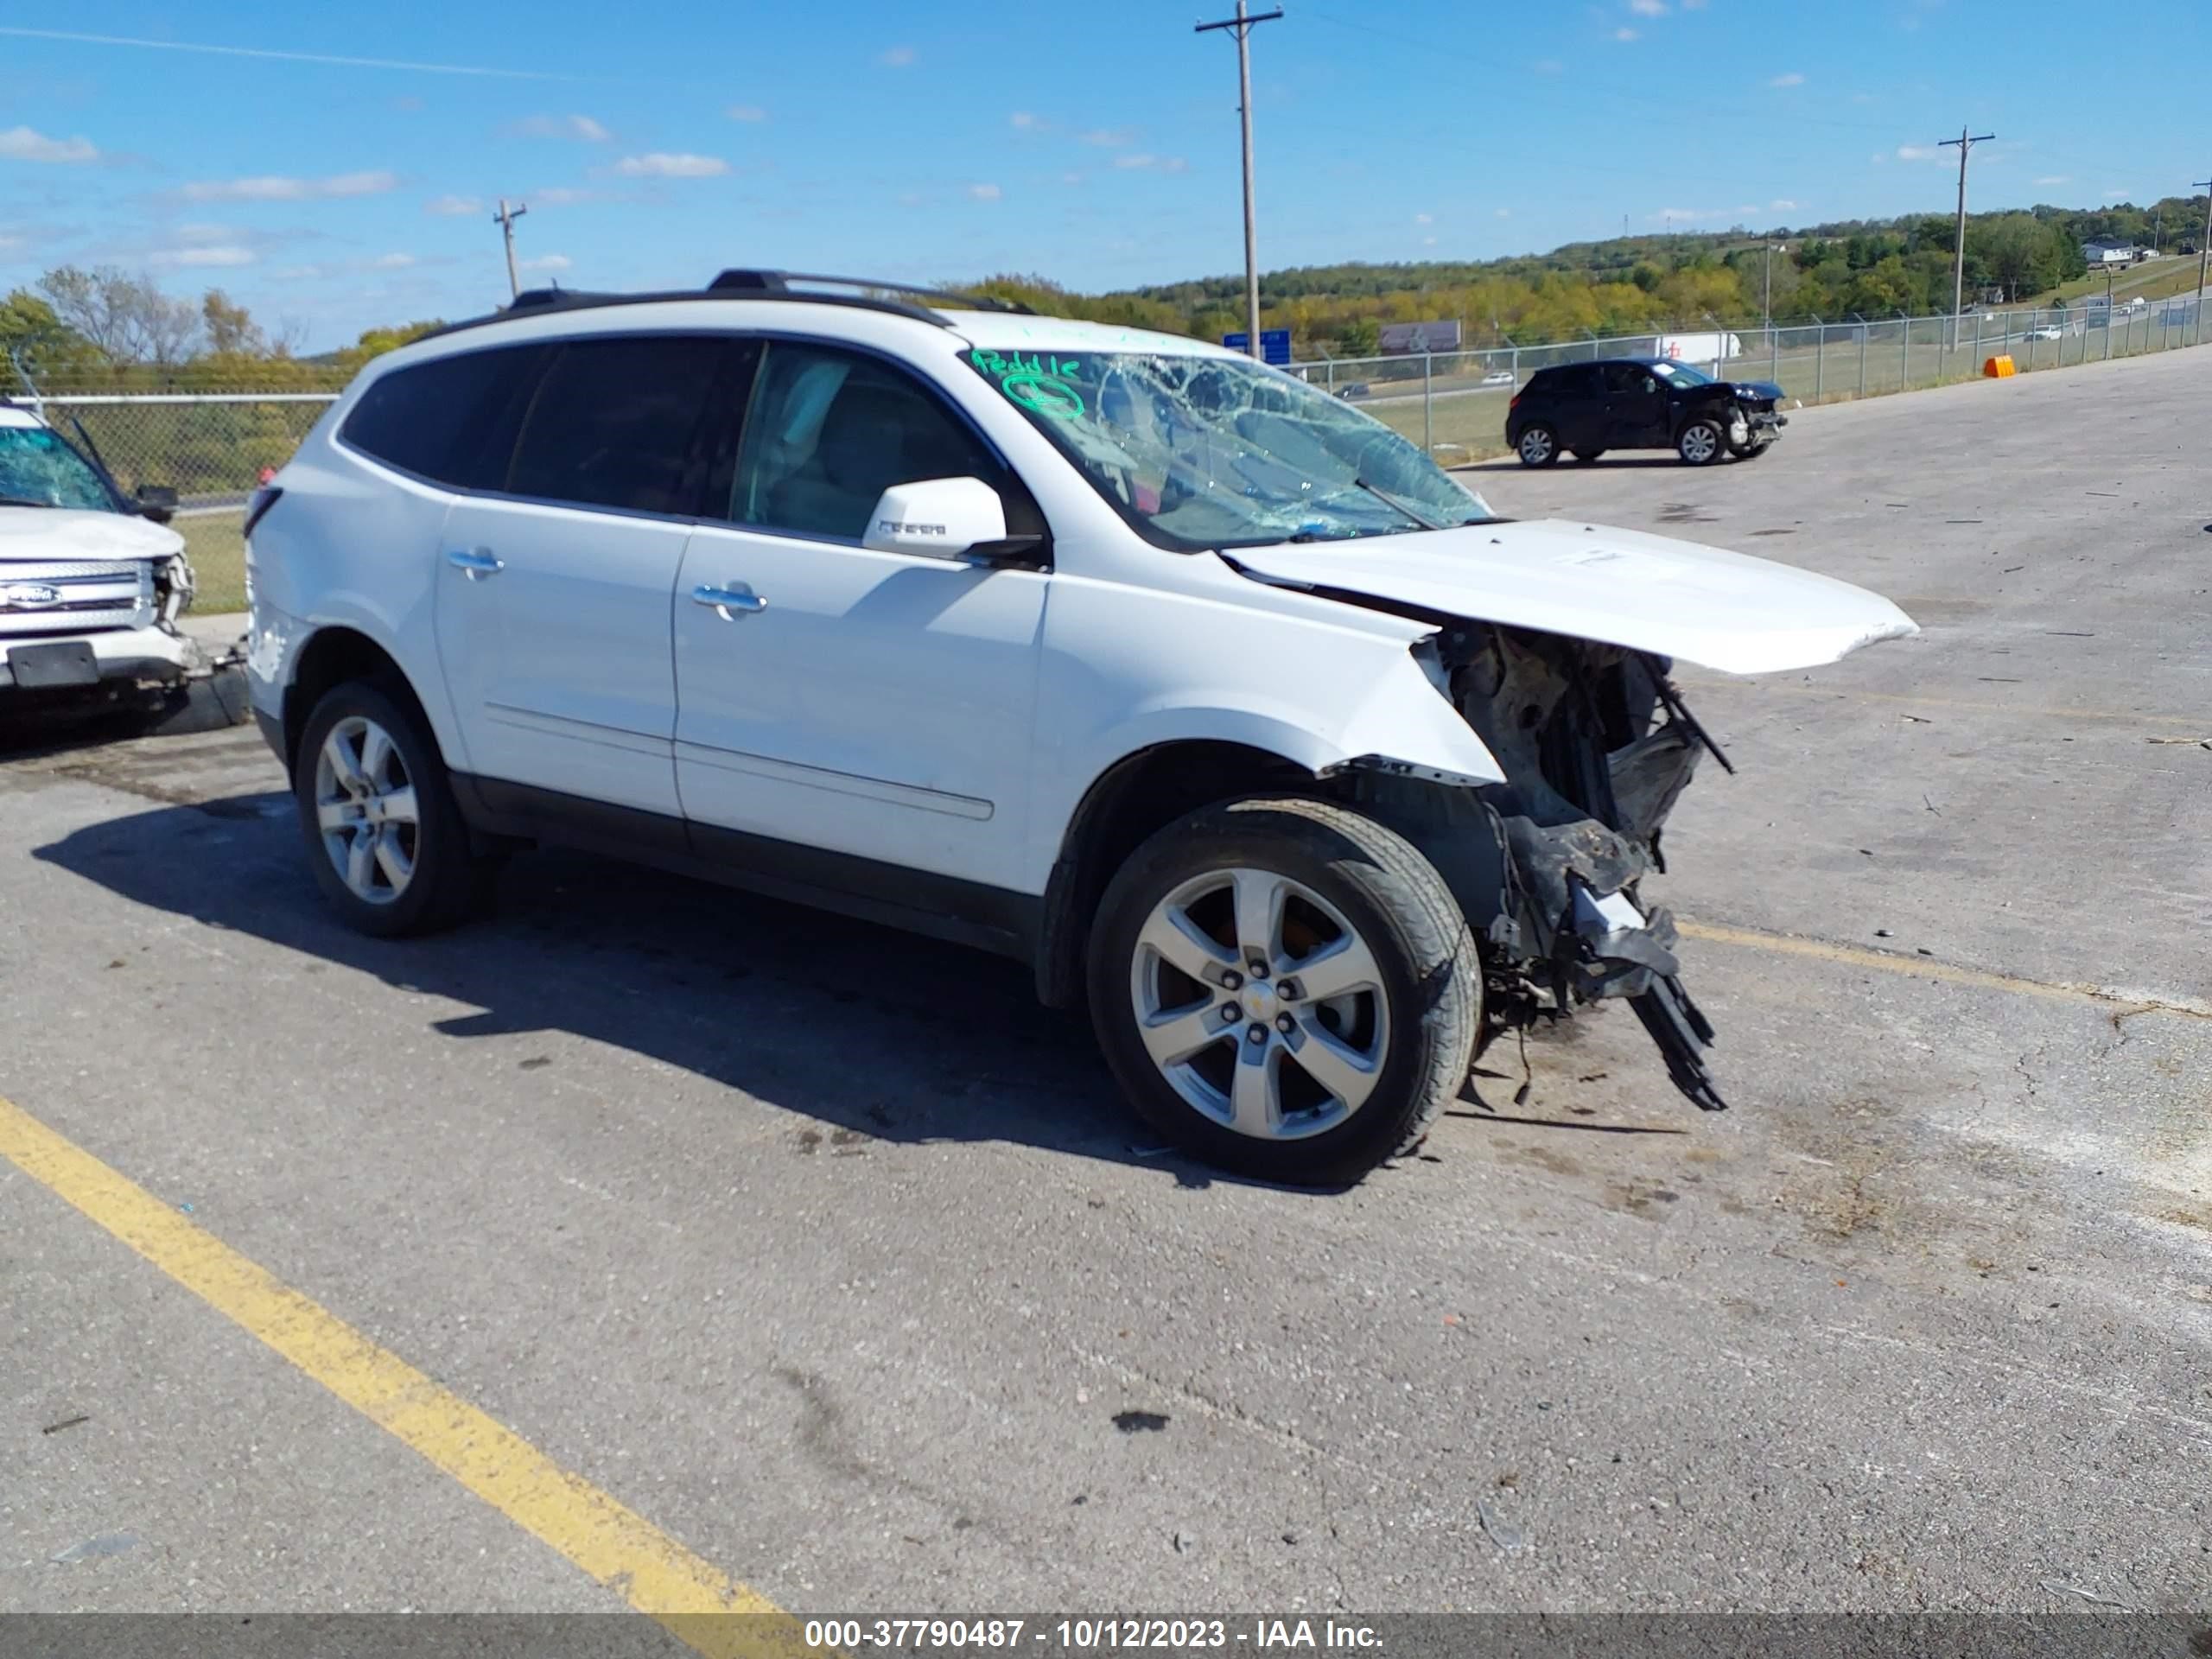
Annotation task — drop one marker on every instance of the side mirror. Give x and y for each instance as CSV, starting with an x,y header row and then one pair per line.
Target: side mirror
x,y
959,518
156,502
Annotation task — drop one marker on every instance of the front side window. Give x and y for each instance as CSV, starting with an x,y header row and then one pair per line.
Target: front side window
x,y
1201,452
1681,374
38,468
617,422
1628,379
829,431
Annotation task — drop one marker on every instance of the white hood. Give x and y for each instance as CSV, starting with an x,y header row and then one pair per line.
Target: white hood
x,y
1703,605
55,535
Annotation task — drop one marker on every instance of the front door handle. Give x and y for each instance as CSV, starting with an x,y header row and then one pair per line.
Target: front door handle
x,y
478,561
730,602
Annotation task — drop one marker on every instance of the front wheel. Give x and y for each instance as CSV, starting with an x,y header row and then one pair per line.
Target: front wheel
x,y
1539,446
1701,443
1286,987
384,835
1752,451
1586,456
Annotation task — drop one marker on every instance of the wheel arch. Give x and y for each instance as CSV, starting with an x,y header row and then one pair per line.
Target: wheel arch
x,y
331,657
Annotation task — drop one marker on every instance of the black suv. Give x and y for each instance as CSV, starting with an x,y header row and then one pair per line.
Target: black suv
x,y
1641,402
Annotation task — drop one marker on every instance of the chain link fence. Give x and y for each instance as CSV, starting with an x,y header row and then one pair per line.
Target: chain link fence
x,y
212,446
1453,403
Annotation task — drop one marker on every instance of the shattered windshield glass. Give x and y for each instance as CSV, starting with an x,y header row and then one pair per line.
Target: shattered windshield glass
x,y
1210,452
39,469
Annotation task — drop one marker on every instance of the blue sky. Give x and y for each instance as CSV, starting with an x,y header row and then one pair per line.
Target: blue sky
x,y
1095,145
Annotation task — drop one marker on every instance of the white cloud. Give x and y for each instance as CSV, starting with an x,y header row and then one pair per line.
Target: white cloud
x,y
897,58
1625,32
201,234
1793,79
23,144
1143,161
985,192
2055,178
660,165
746,113
296,273
1917,152
1424,218
1110,138
2117,193
1648,8
1138,160
1782,205
1549,66
391,261
1071,178
545,262
1693,5
272,188
202,256
1025,121
1428,241
1506,213
556,194
454,207
563,126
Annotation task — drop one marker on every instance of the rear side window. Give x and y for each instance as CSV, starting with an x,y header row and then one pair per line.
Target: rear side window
x,y
449,419
1576,380
616,422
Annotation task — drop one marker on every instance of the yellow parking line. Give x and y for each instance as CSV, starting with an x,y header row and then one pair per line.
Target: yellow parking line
x,y
1927,967
617,1547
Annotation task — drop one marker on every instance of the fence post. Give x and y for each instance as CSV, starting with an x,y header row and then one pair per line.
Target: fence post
x,y
1820,357
1977,335
1905,364
1862,357
1427,405
1773,354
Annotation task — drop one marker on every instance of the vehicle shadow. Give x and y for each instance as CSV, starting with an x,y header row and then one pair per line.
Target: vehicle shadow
x,y
874,1033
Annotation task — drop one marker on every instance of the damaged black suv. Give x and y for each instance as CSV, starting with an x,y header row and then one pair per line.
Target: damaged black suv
x,y
1641,402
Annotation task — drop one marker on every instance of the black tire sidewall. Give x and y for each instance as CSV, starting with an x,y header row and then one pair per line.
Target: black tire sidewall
x,y
436,897
1372,899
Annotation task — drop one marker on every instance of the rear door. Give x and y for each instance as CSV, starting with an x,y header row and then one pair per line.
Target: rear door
x,y
1577,407
555,581
1635,407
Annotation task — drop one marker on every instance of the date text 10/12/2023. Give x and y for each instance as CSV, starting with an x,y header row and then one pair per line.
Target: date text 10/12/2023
x,y
1073,1636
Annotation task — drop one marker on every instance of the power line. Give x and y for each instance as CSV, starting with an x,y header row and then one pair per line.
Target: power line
x,y
1959,260
1244,23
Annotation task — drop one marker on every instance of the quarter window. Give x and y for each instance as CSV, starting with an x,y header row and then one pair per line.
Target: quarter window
x,y
449,419
616,423
829,431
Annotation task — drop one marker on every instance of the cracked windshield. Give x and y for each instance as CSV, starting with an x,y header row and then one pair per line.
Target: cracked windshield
x,y
37,469
1207,452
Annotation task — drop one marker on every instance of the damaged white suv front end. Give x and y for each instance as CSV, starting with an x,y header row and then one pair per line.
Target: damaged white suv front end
x,y
91,589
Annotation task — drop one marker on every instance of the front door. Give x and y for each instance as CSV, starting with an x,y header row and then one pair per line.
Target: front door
x,y
1635,408
554,585
832,699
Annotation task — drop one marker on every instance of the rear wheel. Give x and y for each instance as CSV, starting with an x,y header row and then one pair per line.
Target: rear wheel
x,y
1701,443
384,835
1539,446
1286,987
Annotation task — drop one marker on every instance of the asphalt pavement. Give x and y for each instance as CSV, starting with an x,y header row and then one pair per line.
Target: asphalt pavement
x,y
831,1257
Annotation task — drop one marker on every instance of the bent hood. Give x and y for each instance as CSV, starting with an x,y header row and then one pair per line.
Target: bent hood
x,y
1703,605
55,534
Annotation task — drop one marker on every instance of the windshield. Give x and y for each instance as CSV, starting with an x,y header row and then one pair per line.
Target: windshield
x,y
1681,374
1208,452
39,469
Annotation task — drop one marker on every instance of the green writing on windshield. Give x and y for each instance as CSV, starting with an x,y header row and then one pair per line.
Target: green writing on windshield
x,y
1035,382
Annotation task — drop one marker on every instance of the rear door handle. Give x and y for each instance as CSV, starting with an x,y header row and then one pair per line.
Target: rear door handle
x,y
728,602
478,561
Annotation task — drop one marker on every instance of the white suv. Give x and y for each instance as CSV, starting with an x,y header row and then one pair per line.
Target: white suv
x,y
1212,698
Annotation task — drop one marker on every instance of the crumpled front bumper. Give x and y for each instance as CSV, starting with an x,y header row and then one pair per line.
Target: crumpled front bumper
x,y
119,654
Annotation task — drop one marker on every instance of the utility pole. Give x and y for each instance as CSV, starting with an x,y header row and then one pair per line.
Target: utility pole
x,y
505,217
2203,252
1959,260
1244,22
1766,302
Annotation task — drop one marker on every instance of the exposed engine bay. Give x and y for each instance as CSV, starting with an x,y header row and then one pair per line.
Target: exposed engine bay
x,y
1597,747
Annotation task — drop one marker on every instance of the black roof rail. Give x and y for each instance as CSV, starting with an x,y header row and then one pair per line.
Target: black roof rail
x,y
738,285
780,282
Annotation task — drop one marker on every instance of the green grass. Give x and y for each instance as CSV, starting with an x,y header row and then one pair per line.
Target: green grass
x,y
218,556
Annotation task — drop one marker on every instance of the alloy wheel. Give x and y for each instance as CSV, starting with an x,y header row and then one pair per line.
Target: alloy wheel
x,y
365,810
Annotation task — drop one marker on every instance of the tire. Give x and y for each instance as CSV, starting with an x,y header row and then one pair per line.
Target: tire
x,y
1752,451
1586,456
1538,445
1411,1026
1701,442
440,887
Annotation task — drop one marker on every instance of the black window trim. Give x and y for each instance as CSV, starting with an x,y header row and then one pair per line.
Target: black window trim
x,y
736,431
715,433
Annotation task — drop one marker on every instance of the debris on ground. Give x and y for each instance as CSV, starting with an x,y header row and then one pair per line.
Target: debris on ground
x,y
66,1422
107,1543
1140,1422
1505,1536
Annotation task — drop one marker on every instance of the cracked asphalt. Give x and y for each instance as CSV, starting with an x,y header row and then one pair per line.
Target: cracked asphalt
x,y
826,1251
